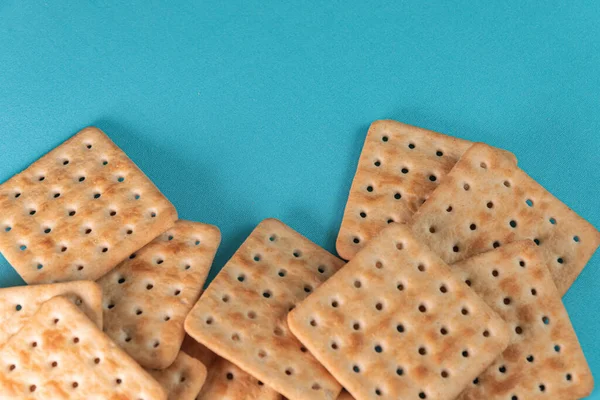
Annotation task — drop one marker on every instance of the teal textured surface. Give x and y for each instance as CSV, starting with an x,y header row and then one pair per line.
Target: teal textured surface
x,y
242,110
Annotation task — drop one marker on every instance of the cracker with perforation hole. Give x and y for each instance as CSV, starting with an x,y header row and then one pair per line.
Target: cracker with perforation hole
x,y
242,314
486,201
18,304
544,359
183,379
225,381
78,211
396,323
400,165
147,297
61,354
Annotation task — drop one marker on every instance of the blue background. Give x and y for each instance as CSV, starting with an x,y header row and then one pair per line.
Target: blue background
x,y
241,110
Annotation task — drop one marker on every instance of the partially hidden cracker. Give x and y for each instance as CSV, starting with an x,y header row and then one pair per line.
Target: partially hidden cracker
x,y
60,354
399,166
18,304
396,323
544,359
487,201
147,297
183,379
225,381
242,314
78,211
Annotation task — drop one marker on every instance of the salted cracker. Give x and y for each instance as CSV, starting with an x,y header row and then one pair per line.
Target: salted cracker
x,y
242,314
78,211
61,354
487,201
544,359
225,381
400,165
183,379
19,303
396,323
147,297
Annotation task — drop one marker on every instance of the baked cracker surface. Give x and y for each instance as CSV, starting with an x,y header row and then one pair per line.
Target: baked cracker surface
x,y
78,211
396,323
147,296
61,354
242,314
486,201
544,358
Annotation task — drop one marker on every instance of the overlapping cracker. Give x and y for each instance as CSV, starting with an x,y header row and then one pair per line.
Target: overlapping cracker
x,y
225,381
486,201
400,165
18,304
396,323
78,211
60,354
242,314
147,297
183,379
544,359
345,396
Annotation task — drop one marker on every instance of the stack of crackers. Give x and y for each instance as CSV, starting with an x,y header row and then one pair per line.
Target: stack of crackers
x,y
457,261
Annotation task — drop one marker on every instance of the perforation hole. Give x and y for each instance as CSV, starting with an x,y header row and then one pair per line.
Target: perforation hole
x,y
177,292
377,163
356,240
334,304
334,345
138,312
422,395
400,286
369,188
576,239
251,314
506,301
378,392
496,244
507,184
18,307
399,371
533,292
209,321
313,322
513,223
156,344
473,227
241,278
490,204
56,195
379,306
439,153
431,229
405,170
502,369
468,282
356,326
530,358
557,348
568,377
495,273
307,289
421,267
357,284
529,202
32,388
400,246
536,241
467,187
297,253
444,374
542,388
560,260
397,196
449,209
385,138
518,330
289,371
465,353
444,331
81,178
546,320
72,213
263,354
363,214
455,248
486,333
32,212
432,178
379,265
422,308
422,351
443,289
54,364
464,311
356,369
